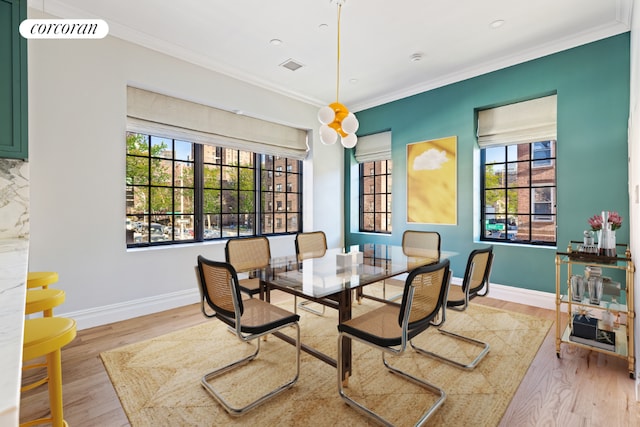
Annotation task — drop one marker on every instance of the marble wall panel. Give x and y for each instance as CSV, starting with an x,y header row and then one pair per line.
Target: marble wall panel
x,y
14,199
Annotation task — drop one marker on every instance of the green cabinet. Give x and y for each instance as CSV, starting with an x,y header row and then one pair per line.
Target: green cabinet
x,y
13,80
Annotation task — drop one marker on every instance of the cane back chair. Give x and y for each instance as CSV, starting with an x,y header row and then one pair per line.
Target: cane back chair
x,y
390,327
250,318
310,245
475,283
417,244
248,254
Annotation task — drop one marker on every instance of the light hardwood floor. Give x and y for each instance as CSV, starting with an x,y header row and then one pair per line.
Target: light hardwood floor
x,y
582,388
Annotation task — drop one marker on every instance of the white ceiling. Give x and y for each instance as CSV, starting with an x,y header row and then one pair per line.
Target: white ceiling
x,y
377,38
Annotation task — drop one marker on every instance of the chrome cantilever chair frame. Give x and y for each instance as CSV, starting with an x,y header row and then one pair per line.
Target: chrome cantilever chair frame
x,y
472,286
309,245
416,243
410,325
233,317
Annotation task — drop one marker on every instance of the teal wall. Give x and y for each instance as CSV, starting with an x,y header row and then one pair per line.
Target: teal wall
x,y
592,84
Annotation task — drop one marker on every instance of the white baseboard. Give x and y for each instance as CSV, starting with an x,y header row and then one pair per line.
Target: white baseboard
x,y
98,316
519,295
127,310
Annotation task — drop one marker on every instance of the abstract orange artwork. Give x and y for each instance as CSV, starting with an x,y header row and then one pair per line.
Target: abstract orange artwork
x,y
432,181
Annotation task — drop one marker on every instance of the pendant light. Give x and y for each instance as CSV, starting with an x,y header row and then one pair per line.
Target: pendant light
x,y
336,120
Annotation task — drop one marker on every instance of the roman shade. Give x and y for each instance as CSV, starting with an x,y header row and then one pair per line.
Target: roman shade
x,y
374,147
522,122
161,115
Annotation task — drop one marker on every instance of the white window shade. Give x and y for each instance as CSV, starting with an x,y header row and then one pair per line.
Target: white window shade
x,y
162,115
522,122
374,147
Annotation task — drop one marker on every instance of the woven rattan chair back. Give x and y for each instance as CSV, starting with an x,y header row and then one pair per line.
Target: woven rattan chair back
x,y
421,244
311,245
478,270
248,253
429,285
219,285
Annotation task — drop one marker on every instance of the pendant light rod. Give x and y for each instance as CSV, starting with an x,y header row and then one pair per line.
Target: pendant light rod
x,y
338,62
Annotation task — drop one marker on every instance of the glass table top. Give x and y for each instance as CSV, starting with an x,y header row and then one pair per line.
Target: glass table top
x,y
342,269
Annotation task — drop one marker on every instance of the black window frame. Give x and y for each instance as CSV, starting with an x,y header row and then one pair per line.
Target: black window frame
x,y
503,226
370,187
250,193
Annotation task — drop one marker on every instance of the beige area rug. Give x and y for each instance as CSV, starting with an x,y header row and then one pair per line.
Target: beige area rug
x,y
158,380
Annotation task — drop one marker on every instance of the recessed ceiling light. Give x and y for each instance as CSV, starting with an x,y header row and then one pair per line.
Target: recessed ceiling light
x,y
275,42
353,81
416,57
323,26
497,23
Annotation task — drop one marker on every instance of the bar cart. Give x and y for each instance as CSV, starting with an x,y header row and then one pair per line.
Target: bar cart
x,y
610,313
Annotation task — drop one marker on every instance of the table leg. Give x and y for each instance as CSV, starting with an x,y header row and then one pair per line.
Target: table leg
x,y
344,314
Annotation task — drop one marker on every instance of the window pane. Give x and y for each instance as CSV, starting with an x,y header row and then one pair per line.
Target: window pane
x,y
368,223
211,176
137,170
229,156
211,201
267,224
161,200
543,175
293,202
247,202
229,225
183,150
494,176
512,174
211,154
140,201
292,221
184,174
161,172
229,177
245,159
161,147
137,144
495,155
280,223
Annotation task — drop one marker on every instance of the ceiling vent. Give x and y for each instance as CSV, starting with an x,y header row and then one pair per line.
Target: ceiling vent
x,y
292,65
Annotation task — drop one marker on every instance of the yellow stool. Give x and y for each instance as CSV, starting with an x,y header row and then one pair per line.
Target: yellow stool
x,y
45,336
43,300
41,279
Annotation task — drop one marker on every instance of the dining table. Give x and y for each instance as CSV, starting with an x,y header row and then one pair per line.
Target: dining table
x,y
332,279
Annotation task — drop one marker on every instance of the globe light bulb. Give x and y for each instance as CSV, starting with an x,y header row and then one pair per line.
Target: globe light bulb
x,y
326,115
350,123
328,136
350,140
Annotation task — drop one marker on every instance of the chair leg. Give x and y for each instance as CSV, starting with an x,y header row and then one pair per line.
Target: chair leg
x,y
384,293
304,306
469,366
359,406
235,411
54,366
53,379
